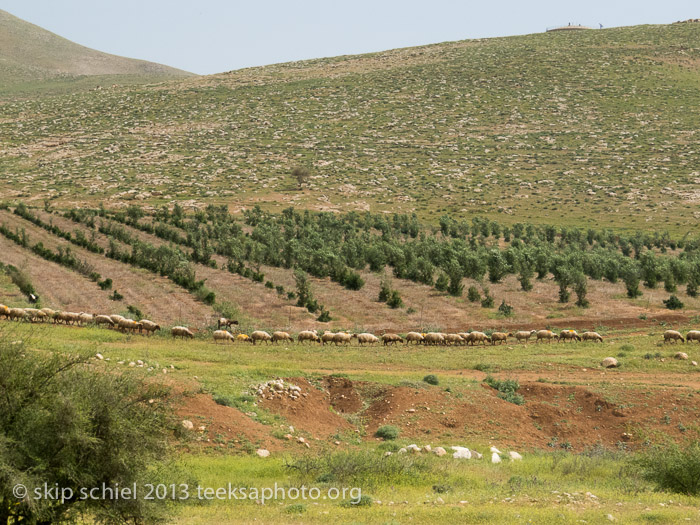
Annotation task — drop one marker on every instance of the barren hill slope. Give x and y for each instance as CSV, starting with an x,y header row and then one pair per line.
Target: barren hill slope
x,y
30,53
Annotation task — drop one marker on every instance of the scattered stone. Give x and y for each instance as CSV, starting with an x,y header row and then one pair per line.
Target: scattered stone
x,y
428,448
694,363
439,451
461,453
301,439
413,448
514,456
387,453
609,362
681,356
187,424
495,458
263,452
610,517
439,500
99,356
402,451
626,437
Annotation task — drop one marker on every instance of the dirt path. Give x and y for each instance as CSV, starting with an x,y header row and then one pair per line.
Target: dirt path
x,y
157,297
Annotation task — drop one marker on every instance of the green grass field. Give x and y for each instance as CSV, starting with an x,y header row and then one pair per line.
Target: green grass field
x,y
549,485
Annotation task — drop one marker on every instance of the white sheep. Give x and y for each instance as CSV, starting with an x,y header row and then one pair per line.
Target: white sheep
x,y
223,335
434,338
591,336
391,339
501,337
523,335
568,335
367,338
260,335
547,335
307,335
181,331
149,326
693,335
673,335
103,319
414,337
281,336
343,338
478,337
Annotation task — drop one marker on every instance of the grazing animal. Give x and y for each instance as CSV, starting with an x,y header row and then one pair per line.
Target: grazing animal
x,y
392,339
569,335
478,337
281,336
260,335
224,322
434,338
693,335
327,337
523,335
307,335
545,335
129,325
17,313
104,319
367,338
4,311
414,337
223,335
343,338
243,338
591,336
500,337
673,335
453,339
181,331
149,326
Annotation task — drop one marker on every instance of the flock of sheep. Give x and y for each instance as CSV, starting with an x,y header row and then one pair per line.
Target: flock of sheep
x,y
340,338
78,319
431,338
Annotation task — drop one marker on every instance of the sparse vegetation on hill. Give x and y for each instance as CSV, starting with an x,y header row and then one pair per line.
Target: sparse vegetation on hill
x,y
591,127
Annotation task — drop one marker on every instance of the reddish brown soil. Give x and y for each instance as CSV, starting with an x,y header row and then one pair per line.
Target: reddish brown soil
x,y
224,425
311,413
553,416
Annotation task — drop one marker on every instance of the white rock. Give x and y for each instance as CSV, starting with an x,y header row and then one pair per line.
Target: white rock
x,y
439,451
609,362
681,355
694,363
413,448
387,453
495,458
99,356
439,500
402,451
514,456
461,453
187,424
476,455
428,448
262,452
495,450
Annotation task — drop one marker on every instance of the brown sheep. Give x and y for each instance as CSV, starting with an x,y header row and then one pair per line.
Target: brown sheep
x,y
224,322
673,335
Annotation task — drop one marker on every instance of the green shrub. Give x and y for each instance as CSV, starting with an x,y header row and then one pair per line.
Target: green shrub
x,y
387,432
324,317
431,379
394,300
507,389
505,309
673,303
473,294
673,468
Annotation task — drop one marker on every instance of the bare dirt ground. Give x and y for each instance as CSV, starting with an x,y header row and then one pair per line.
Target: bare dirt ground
x,y
602,410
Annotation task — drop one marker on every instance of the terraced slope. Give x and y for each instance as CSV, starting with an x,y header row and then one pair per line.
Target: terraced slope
x,y
589,127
